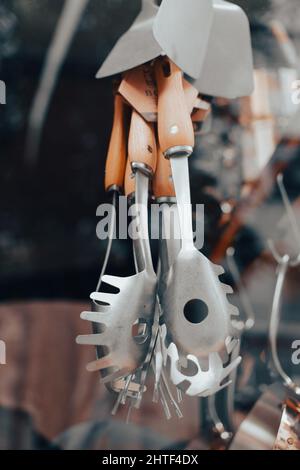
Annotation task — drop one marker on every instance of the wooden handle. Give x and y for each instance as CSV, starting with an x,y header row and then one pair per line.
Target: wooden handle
x,y
175,128
162,182
142,143
129,182
116,157
138,88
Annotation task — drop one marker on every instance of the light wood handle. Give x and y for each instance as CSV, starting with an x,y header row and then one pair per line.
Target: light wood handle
x,y
116,157
175,128
129,182
142,143
162,182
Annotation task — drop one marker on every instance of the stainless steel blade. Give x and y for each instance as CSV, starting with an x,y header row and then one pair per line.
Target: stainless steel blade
x,y
227,69
136,46
182,28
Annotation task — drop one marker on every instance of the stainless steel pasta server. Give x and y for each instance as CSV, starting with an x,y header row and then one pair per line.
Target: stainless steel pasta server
x,y
126,318
197,327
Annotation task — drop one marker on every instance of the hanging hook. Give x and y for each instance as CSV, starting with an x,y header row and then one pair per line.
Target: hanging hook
x,y
284,262
293,262
274,323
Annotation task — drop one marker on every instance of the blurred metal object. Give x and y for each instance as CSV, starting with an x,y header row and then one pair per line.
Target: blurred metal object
x,y
65,30
288,437
259,430
284,263
289,211
258,136
244,325
249,320
274,421
258,191
271,416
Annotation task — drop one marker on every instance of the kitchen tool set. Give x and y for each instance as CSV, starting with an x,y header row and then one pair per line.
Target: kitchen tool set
x,y
165,59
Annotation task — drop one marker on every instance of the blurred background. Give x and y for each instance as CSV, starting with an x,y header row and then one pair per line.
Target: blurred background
x,y
50,257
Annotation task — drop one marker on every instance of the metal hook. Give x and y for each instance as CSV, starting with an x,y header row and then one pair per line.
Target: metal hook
x,y
284,262
274,323
293,262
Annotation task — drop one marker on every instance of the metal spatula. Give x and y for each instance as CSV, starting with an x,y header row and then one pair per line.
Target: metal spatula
x,y
136,46
179,28
120,314
182,28
196,311
227,70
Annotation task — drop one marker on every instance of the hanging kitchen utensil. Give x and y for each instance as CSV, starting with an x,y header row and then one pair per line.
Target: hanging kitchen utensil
x,y
227,69
217,425
114,181
182,28
119,314
133,385
169,247
179,28
136,46
196,311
